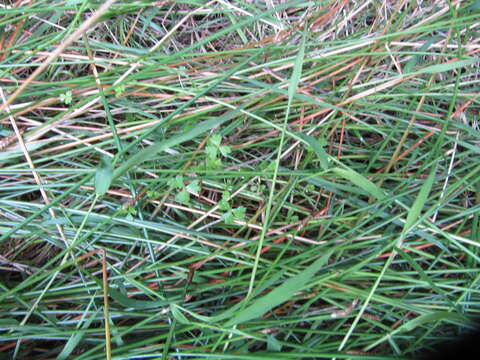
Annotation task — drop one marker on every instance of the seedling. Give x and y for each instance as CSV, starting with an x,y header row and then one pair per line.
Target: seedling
x,y
66,98
230,215
183,196
215,150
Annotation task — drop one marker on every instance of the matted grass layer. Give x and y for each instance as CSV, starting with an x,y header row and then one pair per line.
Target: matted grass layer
x,y
238,179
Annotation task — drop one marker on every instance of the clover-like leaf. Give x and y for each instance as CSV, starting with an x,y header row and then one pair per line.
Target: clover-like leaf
x,y
215,139
67,97
239,213
176,182
228,217
225,150
226,195
183,197
194,187
211,151
223,205
119,90
214,163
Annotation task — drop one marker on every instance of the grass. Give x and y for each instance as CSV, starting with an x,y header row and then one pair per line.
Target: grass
x,y
238,179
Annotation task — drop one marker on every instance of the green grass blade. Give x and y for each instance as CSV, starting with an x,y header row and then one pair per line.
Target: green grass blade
x,y
419,203
76,338
440,68
317,147
361,181
280,294
437,316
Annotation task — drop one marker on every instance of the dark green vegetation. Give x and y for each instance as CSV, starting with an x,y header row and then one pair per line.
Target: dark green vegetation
x,y
237,179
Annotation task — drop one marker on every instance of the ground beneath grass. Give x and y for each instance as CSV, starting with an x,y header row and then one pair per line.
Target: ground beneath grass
x,y
238,179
